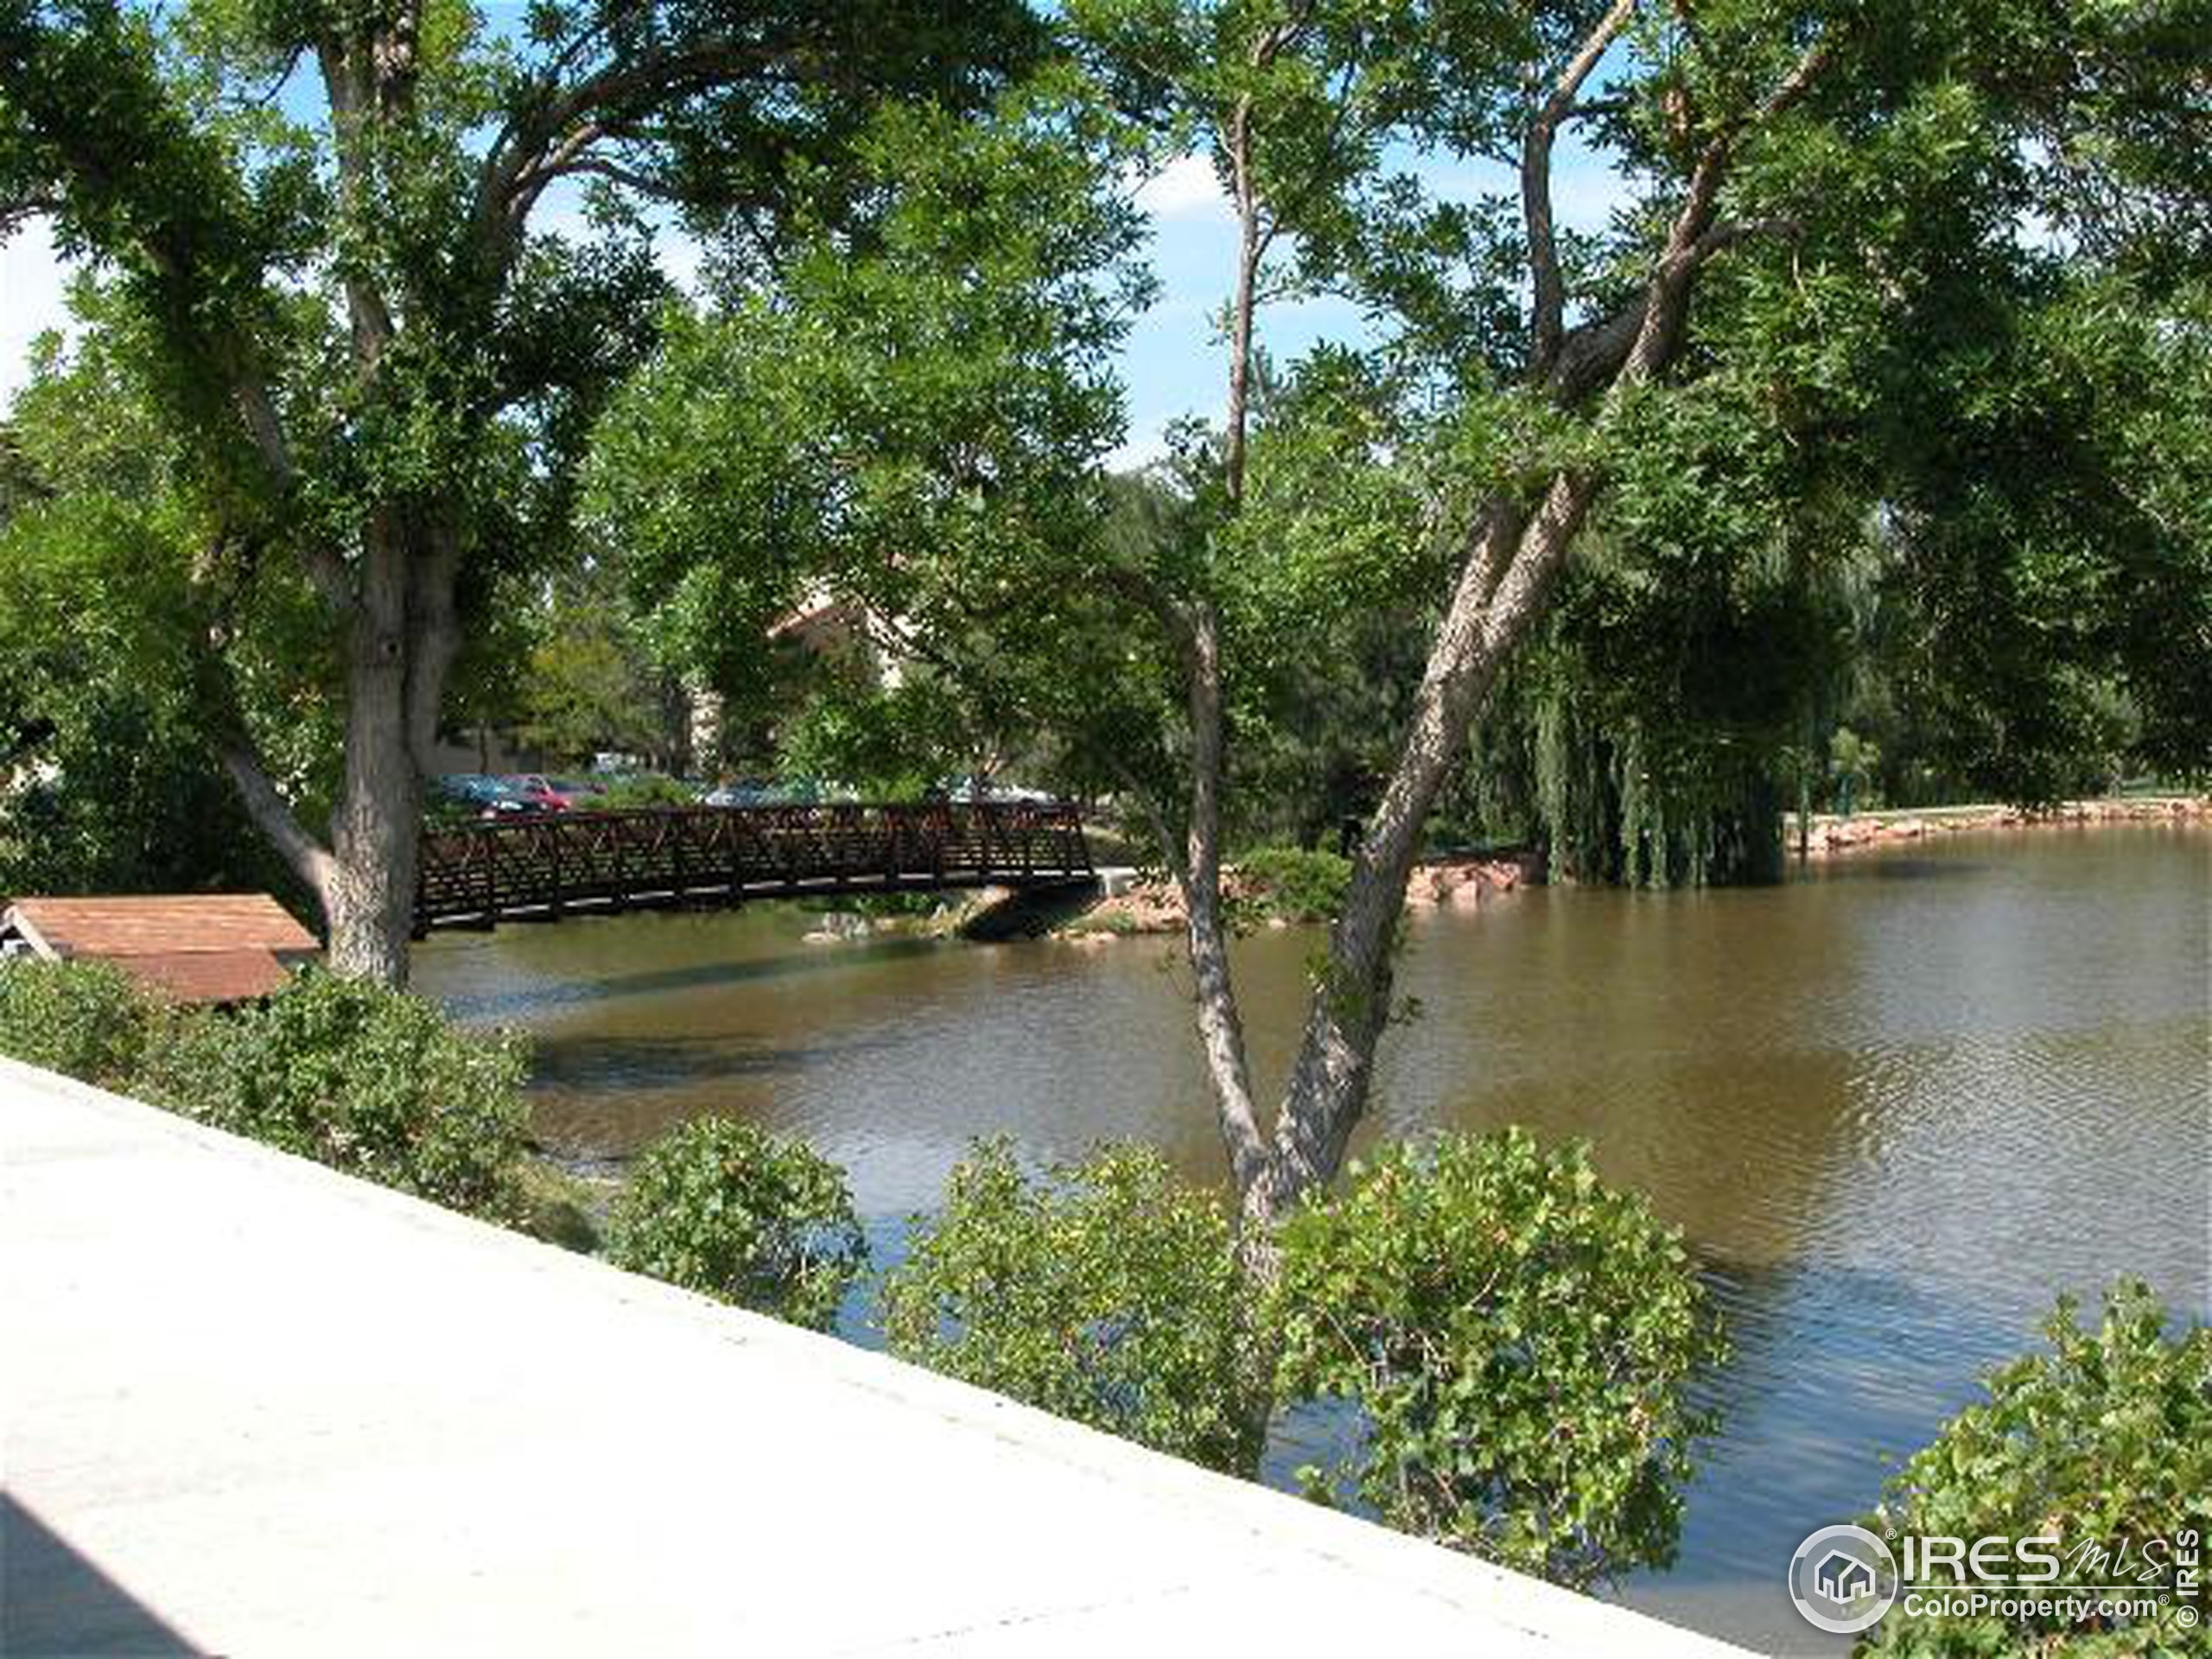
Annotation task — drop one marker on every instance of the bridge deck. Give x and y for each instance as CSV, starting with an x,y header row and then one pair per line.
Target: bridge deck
x,y
545,867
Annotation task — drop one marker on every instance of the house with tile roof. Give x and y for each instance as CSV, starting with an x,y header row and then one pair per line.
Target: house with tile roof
x,y
201,947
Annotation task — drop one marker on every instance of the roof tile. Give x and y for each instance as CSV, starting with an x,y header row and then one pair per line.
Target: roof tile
x,y
165,924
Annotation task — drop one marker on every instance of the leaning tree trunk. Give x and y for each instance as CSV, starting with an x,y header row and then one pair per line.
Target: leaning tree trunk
x,y
1502,589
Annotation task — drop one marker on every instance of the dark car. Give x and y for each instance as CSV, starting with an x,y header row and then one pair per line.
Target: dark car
x,y
489,797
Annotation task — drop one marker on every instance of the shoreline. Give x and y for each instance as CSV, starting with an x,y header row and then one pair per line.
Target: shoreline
x,y
1152,908
1829,834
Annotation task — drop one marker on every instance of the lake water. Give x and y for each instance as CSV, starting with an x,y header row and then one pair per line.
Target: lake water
x,y
1897,1105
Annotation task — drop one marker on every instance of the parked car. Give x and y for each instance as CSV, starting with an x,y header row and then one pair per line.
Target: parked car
x,y
764,791
975,787
488,796
540,790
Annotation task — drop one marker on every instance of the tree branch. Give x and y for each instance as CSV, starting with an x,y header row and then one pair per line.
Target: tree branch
x,y
628,178
1639,340
349,91
513,171
1548,318
1174,621
307,858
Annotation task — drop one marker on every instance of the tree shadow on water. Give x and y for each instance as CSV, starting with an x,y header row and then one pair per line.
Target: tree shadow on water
x,y
598,1061
574,992
1900,866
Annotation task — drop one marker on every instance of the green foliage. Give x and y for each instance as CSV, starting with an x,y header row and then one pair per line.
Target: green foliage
x,y
108,779
585,687
2045,580
642,788
1520,1339
2106,1438
370,1080
1297,884
742,1216
1107,1292
902,438
885,742
366,363
85,1019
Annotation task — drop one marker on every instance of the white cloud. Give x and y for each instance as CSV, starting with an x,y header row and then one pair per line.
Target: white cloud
x,y
679,254
1185,189
33,284
1140,450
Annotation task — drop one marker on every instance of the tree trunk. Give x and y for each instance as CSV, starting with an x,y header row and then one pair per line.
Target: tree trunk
x,y
400,647
1221,1030
1501,590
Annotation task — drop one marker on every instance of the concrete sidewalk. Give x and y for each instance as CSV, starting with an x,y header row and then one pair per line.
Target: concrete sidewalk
x,y
252,1407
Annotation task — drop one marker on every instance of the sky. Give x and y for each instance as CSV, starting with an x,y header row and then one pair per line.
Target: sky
x,y
1174,363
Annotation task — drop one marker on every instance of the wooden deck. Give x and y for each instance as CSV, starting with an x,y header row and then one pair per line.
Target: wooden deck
x,y
543,868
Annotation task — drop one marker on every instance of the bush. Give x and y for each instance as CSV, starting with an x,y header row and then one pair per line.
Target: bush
x,y
367,1080
1107,1293
1518,1336
1294,884
2107,1439
639,790
86,1020
742,1216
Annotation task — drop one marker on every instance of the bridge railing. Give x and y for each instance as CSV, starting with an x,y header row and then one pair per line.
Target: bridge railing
x,y
544,865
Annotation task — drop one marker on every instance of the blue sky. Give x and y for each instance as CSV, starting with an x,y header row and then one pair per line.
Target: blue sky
x,y
1174,363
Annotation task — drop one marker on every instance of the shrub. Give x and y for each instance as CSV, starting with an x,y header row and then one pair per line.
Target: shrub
x,y
642,788
1295,884
1518,1338
370,1080
87,1020
744,1216
2105,1440
1107,1293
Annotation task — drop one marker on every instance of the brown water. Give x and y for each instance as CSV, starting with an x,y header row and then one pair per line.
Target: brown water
x,y
1898,1104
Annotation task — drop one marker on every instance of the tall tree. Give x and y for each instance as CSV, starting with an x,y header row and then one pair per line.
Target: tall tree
x,y
324,213
1810,186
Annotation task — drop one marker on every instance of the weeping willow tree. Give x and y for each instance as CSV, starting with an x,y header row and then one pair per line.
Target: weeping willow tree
x,y
1656,727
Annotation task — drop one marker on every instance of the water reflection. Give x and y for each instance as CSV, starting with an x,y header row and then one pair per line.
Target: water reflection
x,y
1897,1105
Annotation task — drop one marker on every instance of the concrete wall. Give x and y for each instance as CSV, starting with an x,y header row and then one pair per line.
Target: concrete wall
x,y
255,1407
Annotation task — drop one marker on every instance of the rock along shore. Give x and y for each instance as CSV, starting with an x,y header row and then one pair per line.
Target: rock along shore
x,y
1155,906
1831,834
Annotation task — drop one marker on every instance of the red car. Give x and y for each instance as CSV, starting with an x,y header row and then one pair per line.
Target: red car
x,y
540,792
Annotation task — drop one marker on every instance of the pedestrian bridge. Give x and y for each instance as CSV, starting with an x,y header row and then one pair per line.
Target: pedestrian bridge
x,y
543,868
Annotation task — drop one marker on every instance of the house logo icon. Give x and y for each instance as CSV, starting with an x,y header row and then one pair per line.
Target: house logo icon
x,y
1843,1579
